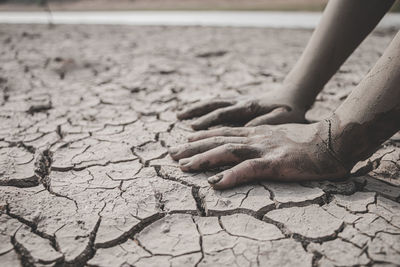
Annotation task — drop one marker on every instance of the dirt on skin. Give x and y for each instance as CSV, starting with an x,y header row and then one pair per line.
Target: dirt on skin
x,y
87,114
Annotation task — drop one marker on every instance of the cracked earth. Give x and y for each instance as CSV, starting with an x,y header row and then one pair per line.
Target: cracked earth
x,y
87,114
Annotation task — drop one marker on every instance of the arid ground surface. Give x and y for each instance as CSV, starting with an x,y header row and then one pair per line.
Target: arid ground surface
x,y
87,114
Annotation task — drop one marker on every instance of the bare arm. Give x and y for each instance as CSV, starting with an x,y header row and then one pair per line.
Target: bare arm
x,y
371,114
344,25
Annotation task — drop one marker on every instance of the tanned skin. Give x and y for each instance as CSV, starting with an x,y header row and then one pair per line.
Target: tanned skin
x,y
297,152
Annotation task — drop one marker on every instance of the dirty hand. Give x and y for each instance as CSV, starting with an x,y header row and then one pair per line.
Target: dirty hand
x,y
275,107
290,152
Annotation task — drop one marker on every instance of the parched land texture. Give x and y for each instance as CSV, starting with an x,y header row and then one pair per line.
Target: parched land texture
x,y
87,114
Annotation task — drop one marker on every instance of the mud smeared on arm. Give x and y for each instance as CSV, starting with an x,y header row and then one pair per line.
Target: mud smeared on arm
x,y
371,114
354,142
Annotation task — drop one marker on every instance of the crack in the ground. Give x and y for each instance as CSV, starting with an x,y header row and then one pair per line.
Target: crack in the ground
x,y
27,181
200,243
199,201
370,166
21,183
316,258
44,107
90,249
146,162
133,231
322,200
43,164
243,236
25,146
74,168
25,257
33,226
303,239
157,168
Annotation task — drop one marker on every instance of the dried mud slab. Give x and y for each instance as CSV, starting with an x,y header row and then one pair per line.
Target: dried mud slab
x,y
339,253
17,167
38,249
251,199
358,202
310,222
87,115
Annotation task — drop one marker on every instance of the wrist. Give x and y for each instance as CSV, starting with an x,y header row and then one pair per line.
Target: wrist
x,y
298,94
346,141
328,142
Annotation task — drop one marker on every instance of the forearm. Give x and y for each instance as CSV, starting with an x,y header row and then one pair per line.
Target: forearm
x,y
343,26
371,114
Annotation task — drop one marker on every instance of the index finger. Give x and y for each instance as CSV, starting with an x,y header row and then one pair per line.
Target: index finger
x,y
204,107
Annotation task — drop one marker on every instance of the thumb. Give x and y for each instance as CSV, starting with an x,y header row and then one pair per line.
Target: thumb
x,y
245,172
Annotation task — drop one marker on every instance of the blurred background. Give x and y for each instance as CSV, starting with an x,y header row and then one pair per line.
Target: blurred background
x,y
101,5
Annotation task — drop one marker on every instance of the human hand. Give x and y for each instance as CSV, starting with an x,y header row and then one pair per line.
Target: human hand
x,y
275,107
290,152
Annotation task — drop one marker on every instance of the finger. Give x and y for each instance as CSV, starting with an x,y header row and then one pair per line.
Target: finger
x,y
277,116
247,171
223,131
190,149
228,114
229,154
203,107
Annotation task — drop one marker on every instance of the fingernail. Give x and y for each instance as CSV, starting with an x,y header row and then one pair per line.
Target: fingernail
x,y
184,162
215,179
173,150
196,125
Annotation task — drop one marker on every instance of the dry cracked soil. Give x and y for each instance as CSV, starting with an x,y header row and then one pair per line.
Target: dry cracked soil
x,y
87,114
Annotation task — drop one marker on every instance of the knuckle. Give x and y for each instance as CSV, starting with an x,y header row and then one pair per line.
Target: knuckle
x,y
251,164
218,115
225,130
217,139
259,129
194,136
229,147
186,147
195,159
252,140
252,105
247,140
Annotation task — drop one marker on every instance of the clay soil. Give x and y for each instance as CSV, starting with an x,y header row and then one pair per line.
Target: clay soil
x,y
87,114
